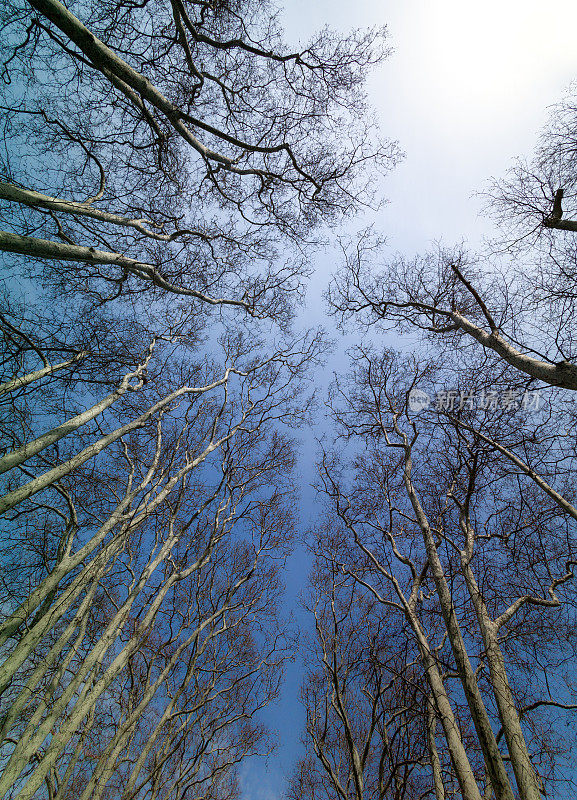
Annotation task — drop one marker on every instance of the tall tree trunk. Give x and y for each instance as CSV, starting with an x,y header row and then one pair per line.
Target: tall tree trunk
x,y
491,753
459,758
438,785
527,781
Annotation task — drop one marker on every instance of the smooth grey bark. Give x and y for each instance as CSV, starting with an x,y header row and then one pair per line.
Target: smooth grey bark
x,y
525,775
487,740
88,693
117,70
29,197
32,637
53,656
70,562
13,498
27,748
563,375
568,507
39,729
26,451
63,251
438,785
459,758
25,380
527,781
443,320
457,752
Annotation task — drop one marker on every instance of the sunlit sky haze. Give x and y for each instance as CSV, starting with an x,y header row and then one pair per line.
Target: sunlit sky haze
x,y
465,91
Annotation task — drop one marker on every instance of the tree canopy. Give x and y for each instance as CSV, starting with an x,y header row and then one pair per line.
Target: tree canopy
x,y
169,170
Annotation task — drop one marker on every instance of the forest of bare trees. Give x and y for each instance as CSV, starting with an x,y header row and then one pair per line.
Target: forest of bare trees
x,y
168,169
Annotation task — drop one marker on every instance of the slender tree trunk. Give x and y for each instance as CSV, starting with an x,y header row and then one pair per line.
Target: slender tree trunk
x,y
459,758
25,380
491,753
527,781
434,755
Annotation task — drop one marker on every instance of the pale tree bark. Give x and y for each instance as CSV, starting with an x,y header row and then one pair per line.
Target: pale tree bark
x,y
159,741
93,608
17,496
25,380
110,64
528,782
88,698
18,194
438,785
382,406
46,249
408,606
491,753
252,192
67,564
69,701
438,299
493,758
63,656
22,454
362,693
461,764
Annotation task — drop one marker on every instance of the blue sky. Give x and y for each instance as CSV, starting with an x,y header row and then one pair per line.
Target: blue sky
x,y
465,91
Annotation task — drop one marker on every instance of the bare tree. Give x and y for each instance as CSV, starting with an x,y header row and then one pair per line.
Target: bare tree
x,y
537,195
516,300
363,695
436,490
158,162
520,315
184,161
134,572
454,300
